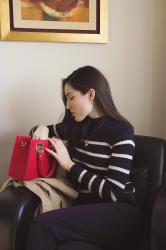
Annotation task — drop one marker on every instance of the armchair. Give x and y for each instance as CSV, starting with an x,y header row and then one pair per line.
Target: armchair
x,y
18,205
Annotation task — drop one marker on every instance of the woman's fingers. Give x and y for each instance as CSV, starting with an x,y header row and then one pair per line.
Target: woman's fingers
x,y
55,139
36,137
54,144
41,133
51,152
57,142
61,153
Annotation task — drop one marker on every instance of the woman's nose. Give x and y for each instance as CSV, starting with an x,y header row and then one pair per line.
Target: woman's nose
x,y
67,105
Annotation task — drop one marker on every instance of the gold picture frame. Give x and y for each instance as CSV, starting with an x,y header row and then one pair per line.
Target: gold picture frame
x,y
10,33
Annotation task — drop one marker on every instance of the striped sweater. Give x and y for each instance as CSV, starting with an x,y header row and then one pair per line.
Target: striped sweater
x,y
102,159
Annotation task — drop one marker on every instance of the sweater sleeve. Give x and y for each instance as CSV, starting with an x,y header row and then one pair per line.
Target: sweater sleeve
x,y
54,130
112,185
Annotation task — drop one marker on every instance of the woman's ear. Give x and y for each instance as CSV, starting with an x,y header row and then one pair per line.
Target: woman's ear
x,y
91,93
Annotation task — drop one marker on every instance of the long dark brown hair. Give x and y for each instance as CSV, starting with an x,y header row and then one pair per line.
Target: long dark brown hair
x,y
83,79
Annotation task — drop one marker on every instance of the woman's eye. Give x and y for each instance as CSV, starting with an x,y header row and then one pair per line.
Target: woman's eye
x,y
71,98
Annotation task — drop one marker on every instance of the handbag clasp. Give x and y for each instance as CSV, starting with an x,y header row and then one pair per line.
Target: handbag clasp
x,y
39,148
23,143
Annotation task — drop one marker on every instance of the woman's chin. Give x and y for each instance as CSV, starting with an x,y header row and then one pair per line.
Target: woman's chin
x,y
79,119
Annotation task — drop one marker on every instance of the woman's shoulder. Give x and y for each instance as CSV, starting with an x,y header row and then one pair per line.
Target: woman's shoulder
x,y
118,124
119,130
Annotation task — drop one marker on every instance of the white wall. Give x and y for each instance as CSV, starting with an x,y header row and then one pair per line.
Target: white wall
x,y
165,88
132,61
165,74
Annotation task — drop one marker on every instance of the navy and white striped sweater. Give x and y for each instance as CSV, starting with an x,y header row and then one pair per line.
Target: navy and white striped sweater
x,y
102,167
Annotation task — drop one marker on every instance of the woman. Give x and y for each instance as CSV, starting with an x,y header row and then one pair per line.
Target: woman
x,y
98,162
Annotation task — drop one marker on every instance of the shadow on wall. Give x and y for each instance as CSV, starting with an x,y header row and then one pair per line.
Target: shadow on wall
x,y
158,73
6,144
28,105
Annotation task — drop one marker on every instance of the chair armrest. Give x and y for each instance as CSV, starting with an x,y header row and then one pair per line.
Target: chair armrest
x,y
158,227
17,208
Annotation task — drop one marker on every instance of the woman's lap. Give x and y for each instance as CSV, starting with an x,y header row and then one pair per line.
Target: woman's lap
x,y
99,223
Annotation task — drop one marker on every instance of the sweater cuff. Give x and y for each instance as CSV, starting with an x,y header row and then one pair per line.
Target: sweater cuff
x,y
75,171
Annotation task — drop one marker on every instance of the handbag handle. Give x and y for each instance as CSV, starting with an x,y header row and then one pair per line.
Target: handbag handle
x,y
40,150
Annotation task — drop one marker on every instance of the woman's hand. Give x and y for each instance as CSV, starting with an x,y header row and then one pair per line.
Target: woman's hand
x,y
60,153
41,133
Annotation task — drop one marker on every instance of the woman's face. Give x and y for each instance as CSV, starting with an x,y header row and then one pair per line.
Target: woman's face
x,y
79,105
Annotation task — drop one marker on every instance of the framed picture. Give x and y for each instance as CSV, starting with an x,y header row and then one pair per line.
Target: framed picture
x,y
83,21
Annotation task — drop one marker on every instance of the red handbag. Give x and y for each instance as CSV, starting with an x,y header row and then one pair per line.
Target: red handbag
x,y
30,160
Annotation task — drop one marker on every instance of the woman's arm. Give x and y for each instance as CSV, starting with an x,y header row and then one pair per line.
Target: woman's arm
x,y
112,185
42,132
